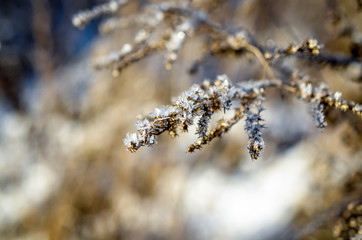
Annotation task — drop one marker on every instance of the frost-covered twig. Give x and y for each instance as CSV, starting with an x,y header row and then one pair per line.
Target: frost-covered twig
x,y
83,18
201,100
206,99
321,98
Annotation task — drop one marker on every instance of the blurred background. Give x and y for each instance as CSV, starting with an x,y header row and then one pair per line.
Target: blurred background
x,y
65,174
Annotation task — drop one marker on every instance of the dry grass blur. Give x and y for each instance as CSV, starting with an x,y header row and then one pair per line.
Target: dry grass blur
x,y
65,174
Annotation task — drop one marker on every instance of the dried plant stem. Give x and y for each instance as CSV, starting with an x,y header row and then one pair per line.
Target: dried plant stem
x,y
222,127
135,56
261,59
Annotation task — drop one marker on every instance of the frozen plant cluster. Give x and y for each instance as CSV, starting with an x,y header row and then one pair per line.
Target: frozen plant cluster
x,y
200,100
204,100
165,26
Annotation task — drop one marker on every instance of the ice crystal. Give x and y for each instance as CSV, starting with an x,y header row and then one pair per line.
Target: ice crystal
x,y
253,127
318,115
